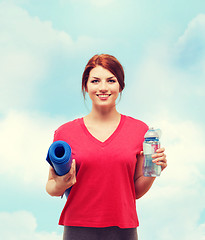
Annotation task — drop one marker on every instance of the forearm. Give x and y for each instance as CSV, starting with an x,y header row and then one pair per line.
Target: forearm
x,y
142,185
53,190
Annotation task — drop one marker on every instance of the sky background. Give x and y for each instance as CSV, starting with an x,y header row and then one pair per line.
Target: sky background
x,y
44,47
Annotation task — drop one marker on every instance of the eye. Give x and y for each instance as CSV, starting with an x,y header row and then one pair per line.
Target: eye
x,y
94,81
111,80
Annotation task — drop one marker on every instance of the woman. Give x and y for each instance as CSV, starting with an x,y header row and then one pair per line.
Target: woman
x,y
106,175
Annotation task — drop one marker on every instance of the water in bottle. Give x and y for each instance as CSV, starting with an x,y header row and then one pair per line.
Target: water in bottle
x,y
150,145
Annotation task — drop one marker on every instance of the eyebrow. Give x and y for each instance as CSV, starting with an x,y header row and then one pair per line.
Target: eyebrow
x,y
106,78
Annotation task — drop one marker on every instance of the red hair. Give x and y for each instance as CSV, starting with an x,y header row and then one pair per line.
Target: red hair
x,y
108,62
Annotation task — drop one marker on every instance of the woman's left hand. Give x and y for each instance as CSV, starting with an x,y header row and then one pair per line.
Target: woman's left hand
x,y
160,158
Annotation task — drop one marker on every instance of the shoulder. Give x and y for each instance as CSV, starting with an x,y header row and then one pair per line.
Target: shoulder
x,y
69,124
135,130
70,128
136,123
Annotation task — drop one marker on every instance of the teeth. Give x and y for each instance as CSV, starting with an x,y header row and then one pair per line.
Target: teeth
x,y
103,95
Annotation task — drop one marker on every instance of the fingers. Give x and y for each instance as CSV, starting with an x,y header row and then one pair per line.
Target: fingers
x,y
158,155
74,166
159,150
160,158
72,170
70,177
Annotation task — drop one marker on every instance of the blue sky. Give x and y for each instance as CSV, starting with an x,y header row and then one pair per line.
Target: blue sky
x,y
44,48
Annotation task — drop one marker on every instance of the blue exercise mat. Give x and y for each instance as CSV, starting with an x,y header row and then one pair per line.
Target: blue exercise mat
x,y
60,158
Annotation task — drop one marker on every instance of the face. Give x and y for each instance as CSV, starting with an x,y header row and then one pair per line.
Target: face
x,y
102,87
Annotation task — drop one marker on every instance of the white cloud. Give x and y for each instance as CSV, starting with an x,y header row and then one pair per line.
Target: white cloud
x,y
190,47
154,82
170,77
30,50
25,139
27,45
22,225
195,29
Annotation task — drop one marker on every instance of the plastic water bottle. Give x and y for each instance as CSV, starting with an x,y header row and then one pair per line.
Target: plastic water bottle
x,y
150,145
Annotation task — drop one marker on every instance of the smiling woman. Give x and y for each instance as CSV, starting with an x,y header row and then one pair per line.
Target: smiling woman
x,y
106,174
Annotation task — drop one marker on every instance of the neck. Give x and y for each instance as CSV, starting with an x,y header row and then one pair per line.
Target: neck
x,y
104,114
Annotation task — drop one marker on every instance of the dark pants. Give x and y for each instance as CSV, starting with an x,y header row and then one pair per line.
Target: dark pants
x,y
108,233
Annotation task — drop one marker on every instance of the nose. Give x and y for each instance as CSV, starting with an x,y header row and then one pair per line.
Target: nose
x,y
103,87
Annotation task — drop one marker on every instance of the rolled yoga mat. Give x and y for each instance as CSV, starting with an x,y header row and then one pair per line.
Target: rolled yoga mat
x,y
60,158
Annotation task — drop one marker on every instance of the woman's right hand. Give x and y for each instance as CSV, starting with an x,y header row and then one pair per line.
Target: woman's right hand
x,y
57,185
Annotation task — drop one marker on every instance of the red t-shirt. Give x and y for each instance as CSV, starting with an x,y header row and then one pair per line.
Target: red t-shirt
x,y
104,193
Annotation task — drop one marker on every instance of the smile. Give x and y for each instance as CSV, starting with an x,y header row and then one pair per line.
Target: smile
x,y
103,95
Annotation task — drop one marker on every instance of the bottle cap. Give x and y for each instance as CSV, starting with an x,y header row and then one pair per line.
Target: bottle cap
x,y
151,133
